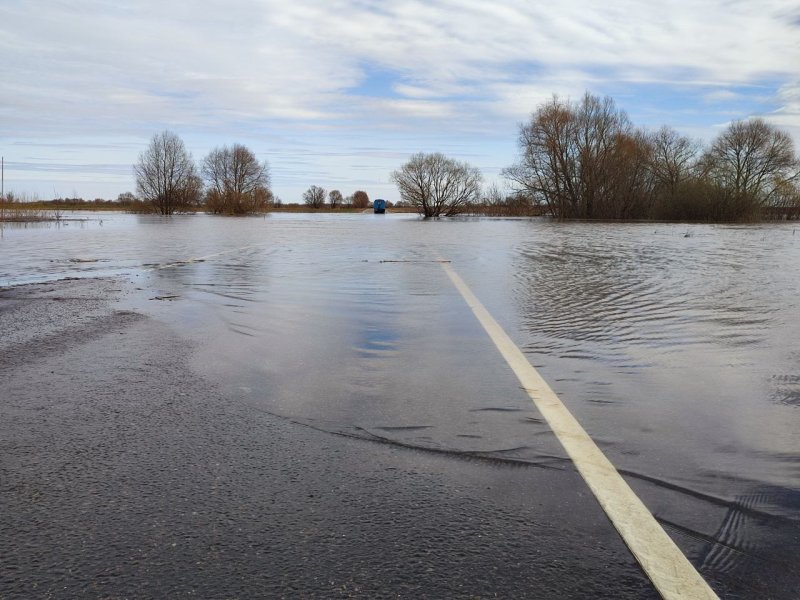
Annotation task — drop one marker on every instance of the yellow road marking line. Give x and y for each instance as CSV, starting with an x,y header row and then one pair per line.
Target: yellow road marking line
x,y
670,571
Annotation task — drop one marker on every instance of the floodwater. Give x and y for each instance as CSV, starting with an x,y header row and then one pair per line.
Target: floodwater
x,y
676,346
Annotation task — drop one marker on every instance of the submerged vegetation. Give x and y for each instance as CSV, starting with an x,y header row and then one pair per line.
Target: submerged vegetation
x,y
437,186
577,160
30,210
13,208
237,183
14,212
230,181
586,160
166,175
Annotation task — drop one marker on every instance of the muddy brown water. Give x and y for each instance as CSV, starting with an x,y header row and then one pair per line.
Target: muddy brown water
x,y
676,346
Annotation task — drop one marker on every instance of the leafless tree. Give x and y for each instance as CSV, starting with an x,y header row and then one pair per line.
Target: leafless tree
x,y
193,193
605,144
335,198
548,169
126,197
314,196
752,161
496,202
785,203
673,158
166,175
627,180
360,199
237,182
131,203
586,160
583,160
437,185
493,195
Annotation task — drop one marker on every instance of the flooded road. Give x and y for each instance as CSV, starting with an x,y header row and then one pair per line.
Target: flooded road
x,y
675,346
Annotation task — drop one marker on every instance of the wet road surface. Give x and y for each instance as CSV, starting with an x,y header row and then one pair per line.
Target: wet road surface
x,y
312,410
124,475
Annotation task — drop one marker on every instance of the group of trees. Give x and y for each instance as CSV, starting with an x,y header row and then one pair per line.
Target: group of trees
x,y
585,159
578,159
230,180
495,202
314,197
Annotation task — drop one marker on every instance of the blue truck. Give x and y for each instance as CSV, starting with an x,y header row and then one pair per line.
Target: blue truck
x,y
379,206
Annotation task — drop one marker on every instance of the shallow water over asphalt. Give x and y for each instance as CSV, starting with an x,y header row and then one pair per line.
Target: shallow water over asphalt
x,y
676,346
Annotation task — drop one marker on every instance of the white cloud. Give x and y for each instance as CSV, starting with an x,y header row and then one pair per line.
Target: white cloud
x,y
787,116
721,96
291,60
90,67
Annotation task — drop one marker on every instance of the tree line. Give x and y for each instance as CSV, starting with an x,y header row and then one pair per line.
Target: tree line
x,y
577,160
586,160
314,197
229,180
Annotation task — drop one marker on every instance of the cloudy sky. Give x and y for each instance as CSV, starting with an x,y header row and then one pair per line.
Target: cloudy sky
x,y
340,93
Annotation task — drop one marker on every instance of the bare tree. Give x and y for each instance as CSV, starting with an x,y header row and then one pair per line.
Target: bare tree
x,y
601,131
583,160
437,185
586,160
192,193
627,179
166,175
493,196
548,169
785,202
335,198
673,158
751,160
237,182
496,202
360,199
126,197
314,196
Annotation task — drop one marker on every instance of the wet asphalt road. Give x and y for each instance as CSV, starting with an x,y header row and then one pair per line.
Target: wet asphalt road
x,y
127,475
269,422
